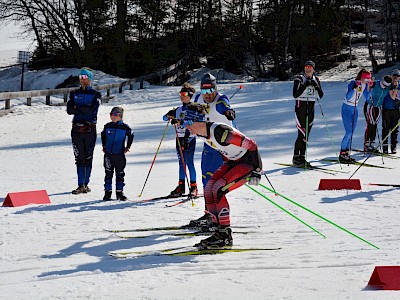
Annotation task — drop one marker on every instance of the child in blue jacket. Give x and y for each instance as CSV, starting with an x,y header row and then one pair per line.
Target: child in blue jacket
x,y
116,138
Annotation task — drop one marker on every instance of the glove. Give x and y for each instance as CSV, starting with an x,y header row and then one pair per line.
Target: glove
x,y
185,143
315,84
255,178
230,114
174,121
308,82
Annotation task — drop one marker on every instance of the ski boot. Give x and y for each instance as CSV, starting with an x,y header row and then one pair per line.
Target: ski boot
x,y
80,190
88,190
121,196
107,195
344,157
205,220
179,191
193,190
221,238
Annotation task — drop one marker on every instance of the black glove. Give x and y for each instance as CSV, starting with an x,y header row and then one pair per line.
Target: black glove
x,y
308,82
354,85
315,83
255,178
175,121
185,144
230,114
171,113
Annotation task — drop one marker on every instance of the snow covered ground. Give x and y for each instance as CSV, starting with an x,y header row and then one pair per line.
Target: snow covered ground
x,y
59,250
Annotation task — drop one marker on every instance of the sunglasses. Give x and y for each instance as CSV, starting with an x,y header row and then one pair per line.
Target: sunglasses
x,y
83,76
115,114
184,94
308,67
207,91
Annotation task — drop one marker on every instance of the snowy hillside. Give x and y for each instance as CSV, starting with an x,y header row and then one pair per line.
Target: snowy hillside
x,y
60,250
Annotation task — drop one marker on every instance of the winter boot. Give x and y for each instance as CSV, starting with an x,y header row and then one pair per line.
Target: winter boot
x,y
80,190
221,238
193,190
88,190
204,221
121,196
179,191
107,195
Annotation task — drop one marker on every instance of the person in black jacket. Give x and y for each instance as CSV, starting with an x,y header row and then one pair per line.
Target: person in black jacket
x,y
306,90
116,138
84,104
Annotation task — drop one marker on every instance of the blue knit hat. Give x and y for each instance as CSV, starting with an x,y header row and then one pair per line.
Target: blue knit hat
x,y
86,72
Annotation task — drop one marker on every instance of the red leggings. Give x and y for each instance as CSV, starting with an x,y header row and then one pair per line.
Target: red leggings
x,y
225,179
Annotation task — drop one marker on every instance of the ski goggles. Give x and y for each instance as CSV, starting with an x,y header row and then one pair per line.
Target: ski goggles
x,y
308,67
184,94
83,76
207,91
116,114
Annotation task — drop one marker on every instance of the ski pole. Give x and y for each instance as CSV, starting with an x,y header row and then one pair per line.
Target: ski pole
x,y
374,150
329,134
183,160
319,216
239,88
155,155
286,211
270,184
379,140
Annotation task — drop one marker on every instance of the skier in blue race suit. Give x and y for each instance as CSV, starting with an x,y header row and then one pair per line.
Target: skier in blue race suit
x,y
218,109
360,86
185,144
116,138
84,104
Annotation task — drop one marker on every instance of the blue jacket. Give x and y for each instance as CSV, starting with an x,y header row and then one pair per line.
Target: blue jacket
x,y
84,105
378,94
114,136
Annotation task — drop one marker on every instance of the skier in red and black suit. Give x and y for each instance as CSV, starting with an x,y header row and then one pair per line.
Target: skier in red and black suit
x,y
306,90
242,163
84,104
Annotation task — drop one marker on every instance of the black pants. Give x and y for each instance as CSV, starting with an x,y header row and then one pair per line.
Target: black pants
x,y
390,118
115,162
83,146
304,113
372,116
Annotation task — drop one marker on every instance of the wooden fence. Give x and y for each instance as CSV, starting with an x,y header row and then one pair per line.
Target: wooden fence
x,y
163,77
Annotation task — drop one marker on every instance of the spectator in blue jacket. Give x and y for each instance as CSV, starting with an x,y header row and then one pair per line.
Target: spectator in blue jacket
x,y
390,115
116,138
373,110
84,104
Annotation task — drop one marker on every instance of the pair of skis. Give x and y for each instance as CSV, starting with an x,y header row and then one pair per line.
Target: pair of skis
x,y
179,251
180,200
